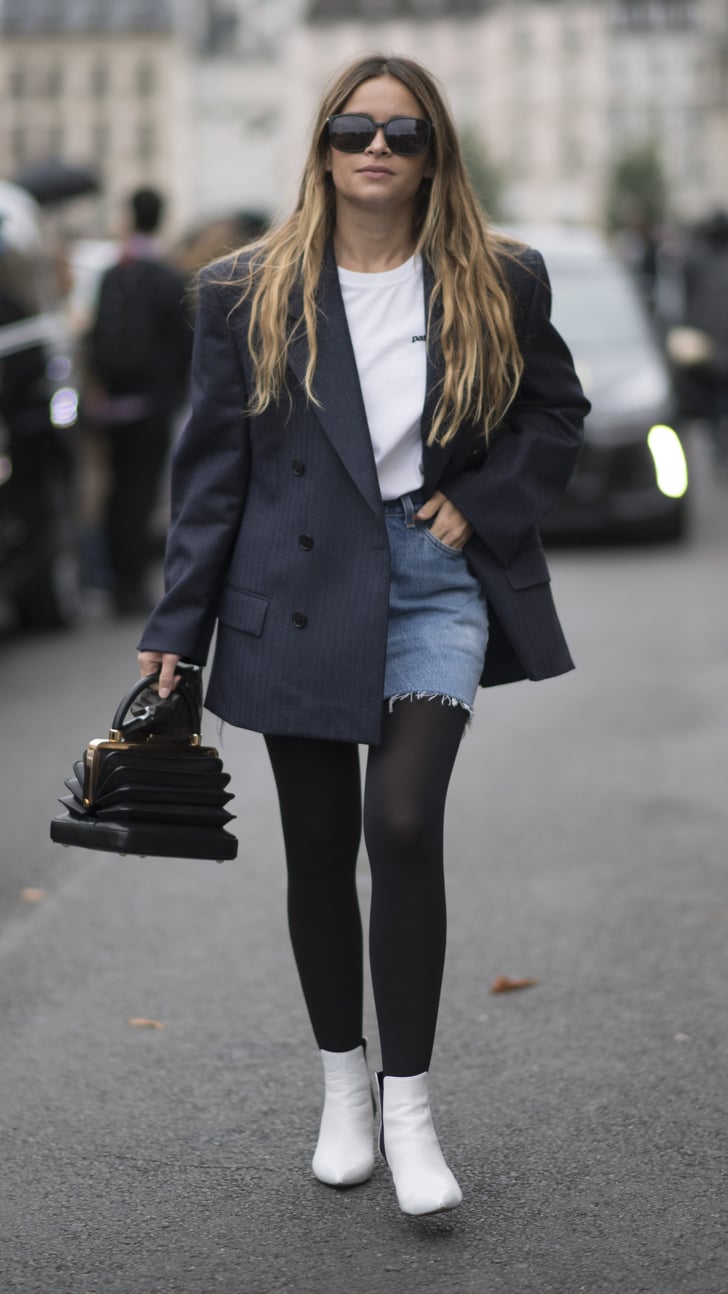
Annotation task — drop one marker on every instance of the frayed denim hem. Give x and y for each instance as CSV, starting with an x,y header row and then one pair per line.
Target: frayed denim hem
x,y
429,696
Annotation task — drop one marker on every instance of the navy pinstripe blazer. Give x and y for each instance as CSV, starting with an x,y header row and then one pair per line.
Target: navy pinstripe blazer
x,y
278,536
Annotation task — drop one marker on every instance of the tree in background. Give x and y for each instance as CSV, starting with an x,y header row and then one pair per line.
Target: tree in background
x,y
486,176
636,204
636,189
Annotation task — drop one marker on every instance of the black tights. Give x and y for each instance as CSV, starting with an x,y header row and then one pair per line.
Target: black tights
x,y
404,804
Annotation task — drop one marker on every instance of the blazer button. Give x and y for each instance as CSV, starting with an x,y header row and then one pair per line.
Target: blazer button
x,y
305,542
299,620
297,467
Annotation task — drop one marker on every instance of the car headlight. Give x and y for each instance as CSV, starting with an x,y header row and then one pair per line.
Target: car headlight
x,y
64,407
671,468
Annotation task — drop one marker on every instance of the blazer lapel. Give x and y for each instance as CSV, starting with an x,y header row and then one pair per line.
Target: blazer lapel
x,y
336,385
434,457
336,382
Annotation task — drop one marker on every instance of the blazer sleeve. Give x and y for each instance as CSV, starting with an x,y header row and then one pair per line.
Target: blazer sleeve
x,y
534,452
210,468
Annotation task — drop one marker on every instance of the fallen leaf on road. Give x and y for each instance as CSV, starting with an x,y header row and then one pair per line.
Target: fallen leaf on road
x,y
140,1023
504,984
31,895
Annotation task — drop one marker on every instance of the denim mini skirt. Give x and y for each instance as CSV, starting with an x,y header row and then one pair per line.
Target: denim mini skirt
x,y
438,617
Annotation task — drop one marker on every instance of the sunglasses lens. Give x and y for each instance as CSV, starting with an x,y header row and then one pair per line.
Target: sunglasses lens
x,y
349,133
408,136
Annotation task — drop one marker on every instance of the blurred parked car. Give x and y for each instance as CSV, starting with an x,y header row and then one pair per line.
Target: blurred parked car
x,y
39,565
631,481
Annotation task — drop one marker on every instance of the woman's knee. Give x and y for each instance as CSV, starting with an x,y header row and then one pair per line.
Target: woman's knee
x,y
401,830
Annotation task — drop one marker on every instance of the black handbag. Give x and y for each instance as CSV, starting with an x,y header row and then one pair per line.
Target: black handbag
x,y
151,787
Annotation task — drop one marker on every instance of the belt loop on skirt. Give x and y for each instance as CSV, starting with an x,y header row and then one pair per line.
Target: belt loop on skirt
x,y
411,503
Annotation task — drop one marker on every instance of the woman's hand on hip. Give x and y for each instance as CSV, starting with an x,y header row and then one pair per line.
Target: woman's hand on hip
x,y
449,525
166,662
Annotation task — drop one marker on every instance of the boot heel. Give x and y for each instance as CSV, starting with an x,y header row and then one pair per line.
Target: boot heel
x,y
380,1085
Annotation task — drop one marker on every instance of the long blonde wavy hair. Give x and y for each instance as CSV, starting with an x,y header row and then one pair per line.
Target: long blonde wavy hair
x,y
482,361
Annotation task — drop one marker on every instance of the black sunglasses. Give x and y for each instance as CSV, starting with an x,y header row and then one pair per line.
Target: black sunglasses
x,y
352,132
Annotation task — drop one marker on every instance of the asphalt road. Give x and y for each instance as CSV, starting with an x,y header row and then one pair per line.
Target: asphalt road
x,y
585,1117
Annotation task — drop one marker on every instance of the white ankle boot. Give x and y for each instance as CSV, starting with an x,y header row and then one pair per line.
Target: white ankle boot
x,y
344,1154
422,1179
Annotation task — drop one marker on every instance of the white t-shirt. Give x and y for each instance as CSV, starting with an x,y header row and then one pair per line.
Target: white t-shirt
x,y
386,317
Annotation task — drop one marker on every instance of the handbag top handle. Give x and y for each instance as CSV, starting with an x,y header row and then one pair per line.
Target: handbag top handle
x,y
131,696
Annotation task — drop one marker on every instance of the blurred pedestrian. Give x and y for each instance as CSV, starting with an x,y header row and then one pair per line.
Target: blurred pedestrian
x,y
381,413
137,356
706,310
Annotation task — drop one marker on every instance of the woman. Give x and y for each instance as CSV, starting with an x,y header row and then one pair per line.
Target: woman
x,y
381,413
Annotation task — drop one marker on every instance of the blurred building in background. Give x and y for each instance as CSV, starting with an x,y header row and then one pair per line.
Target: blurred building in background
x,y
239,101
103,82
584,110
555,93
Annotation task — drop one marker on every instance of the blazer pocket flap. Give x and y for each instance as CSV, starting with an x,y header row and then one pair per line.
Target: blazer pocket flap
x,y
243,610
528,569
